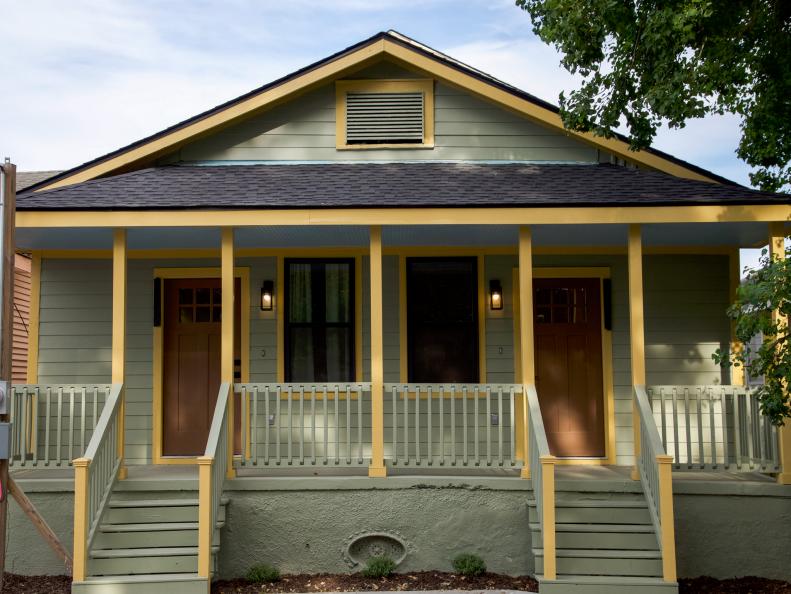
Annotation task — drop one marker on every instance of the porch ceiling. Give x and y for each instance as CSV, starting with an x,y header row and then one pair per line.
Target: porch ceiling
x,y
602,236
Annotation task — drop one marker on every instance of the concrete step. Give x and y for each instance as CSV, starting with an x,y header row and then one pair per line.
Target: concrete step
x,y
599,536
612,562
595,511
180,583
156,560
586,584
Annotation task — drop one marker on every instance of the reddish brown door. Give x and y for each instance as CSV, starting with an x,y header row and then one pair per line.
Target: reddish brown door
x,y
569,364
191,379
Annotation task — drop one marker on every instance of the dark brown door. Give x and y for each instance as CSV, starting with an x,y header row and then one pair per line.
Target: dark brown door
x,y
442,320
569,364
191,378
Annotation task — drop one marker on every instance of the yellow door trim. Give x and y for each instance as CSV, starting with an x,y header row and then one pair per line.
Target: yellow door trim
x,y
600,272
240,272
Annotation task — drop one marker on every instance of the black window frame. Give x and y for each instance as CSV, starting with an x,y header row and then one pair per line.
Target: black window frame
x,y
322,323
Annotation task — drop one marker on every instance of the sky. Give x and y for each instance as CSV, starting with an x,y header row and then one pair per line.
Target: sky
x,y
85,77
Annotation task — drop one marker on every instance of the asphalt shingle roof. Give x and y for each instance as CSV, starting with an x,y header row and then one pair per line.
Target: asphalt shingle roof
x,y
377,185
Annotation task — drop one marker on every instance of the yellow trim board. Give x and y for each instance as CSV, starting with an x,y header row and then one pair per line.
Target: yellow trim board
x,y
243,273
378,49
608,389
592,215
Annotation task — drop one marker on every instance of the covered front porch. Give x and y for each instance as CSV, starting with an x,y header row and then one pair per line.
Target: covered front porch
x,y
657,403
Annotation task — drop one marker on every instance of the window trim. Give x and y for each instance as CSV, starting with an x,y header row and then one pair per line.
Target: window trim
x,y
287,324
426,86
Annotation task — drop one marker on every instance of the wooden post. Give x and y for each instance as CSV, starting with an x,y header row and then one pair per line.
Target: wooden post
x,y
205,529
8,205
636,329
119,337
227,344
777,252
548,510
80,551
666,519
527,339
377,467
738,375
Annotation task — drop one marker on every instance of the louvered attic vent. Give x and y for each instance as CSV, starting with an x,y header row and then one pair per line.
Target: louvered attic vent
x,y
384,118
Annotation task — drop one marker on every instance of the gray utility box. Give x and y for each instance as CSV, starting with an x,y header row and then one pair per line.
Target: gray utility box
x,y
5,441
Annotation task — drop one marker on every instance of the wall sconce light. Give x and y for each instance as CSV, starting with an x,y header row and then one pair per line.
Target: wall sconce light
x,y
267,295
495,294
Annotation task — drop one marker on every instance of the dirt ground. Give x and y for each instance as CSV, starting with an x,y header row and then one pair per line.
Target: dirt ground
x,y
423,580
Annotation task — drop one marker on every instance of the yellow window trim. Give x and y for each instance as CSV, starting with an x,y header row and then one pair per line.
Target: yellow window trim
x,y
342,87
242,273
601,273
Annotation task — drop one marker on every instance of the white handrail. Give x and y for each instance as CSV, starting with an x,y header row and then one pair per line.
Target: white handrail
x,y
95,474
542,474
213,466
655,469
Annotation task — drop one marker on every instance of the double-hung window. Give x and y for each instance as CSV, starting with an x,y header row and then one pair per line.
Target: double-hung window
x,y
319,320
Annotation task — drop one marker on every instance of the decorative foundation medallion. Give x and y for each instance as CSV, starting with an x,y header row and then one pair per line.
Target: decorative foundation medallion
x,y
362,546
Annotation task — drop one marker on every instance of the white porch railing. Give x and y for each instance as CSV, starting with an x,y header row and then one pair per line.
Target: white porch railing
x,y
213,466
654,467
95,474
542,475
715,428
452,424
51,424
305,423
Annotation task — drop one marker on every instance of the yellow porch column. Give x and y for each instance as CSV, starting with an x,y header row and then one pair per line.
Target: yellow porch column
x,y
777,250
119,336
527,340
226,333
737,373
377,467
636,328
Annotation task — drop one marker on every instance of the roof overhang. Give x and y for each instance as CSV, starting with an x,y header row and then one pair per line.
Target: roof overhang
x,y
389,46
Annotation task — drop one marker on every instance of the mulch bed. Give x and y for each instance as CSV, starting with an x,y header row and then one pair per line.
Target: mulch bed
x,y
743,585
421,580
418,580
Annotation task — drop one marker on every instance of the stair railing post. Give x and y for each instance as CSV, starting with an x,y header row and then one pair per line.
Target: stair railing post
x,y
548,510
668,533
205,528
80,553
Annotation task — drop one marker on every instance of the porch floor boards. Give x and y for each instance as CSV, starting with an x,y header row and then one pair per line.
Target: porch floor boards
x,y
181,474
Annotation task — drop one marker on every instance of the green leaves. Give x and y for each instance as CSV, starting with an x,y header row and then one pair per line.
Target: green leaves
x,y
648,62
765,291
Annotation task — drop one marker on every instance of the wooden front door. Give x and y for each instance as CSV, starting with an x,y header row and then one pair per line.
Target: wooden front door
x,y
191,378
569,364
442,320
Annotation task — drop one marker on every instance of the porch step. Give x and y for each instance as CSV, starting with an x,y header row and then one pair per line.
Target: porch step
x,y
600,536
604,511
149,537
587,584
605,543
175,583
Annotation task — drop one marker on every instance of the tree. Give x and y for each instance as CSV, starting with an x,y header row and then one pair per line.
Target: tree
x,y
646,62
765,290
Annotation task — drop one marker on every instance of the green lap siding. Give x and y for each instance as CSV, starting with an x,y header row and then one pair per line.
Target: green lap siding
x,y
685,297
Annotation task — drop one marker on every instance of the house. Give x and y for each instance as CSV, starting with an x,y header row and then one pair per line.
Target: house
x,y
387,303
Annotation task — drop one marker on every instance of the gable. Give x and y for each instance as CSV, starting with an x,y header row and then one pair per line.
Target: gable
x,y
466,128
391,46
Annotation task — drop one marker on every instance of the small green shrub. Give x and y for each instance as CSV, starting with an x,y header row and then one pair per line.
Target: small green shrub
x,y
263,573
379,567
469,564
